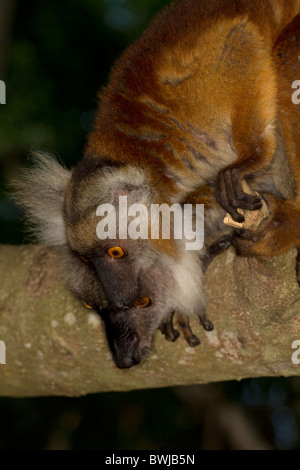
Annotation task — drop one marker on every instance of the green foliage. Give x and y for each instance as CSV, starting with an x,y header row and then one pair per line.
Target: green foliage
x,y
59,58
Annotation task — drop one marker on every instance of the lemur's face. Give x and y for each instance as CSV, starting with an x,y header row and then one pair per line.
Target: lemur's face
x,y
140,279
135,284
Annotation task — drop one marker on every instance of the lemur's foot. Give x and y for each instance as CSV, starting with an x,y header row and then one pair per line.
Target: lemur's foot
x,y
231,195
206,323
171,334
184,325
167,328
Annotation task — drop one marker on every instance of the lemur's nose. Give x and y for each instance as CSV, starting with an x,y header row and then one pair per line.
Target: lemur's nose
x,y
127,361
120,305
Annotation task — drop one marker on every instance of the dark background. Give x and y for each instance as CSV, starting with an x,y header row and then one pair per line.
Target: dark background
x,y
54,57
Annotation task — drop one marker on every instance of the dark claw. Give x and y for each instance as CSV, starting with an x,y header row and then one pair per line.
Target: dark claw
x,y
204,321
193,341
207,324
237,217
176,335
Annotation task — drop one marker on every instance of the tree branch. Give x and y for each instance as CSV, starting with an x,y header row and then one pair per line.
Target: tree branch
x,y
56,346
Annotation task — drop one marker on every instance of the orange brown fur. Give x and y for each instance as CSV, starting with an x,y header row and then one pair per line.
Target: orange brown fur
x,y
200,92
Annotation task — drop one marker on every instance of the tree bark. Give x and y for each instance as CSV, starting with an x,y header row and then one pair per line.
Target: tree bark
x,y
56,346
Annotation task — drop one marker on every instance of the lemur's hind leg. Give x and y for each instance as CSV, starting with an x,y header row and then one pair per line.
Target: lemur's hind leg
x,y
167,327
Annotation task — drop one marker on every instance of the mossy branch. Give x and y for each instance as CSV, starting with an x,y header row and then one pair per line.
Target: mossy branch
x,y
56,346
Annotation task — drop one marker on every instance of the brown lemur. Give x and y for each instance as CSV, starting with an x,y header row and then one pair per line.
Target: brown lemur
x,y
199,103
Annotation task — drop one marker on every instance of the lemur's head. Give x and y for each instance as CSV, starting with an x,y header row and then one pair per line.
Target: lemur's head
x,y
134,283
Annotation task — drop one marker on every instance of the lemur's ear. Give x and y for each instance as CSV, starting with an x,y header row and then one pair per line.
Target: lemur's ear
x,y
40,192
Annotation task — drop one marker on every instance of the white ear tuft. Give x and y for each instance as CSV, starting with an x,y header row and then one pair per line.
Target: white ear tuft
x,y
40,192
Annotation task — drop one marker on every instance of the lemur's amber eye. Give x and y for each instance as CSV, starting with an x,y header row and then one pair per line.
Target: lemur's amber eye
x,y
142,303
116,252
84,259
87,305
